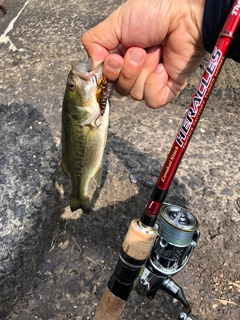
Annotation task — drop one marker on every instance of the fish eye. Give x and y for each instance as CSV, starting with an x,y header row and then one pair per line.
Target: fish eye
x,y
71,85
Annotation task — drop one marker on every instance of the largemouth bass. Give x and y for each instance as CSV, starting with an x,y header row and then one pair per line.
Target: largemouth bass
x,y
85,117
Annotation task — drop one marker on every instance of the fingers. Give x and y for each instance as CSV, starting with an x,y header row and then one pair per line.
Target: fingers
x,y
140,74
124,70
113,65
131,71
151,62
134,61
160,89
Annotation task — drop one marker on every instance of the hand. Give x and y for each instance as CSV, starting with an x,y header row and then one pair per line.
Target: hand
x,y
149,47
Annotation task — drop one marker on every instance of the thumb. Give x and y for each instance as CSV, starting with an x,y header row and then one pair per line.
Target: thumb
x,y
99,40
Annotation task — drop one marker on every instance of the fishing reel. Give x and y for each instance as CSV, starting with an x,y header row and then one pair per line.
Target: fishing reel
x,y
178,234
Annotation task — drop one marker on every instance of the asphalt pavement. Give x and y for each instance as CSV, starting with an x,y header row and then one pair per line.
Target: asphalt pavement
x,y
55,265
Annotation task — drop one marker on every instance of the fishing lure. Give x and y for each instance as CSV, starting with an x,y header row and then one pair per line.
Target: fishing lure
x,y
102,94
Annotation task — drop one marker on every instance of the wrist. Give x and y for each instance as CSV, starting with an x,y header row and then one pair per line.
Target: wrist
x,y
189,14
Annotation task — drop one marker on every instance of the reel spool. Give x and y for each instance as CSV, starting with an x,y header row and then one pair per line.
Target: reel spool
x,y
177,236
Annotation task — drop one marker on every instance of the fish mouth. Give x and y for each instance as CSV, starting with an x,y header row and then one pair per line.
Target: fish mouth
x,y
84,71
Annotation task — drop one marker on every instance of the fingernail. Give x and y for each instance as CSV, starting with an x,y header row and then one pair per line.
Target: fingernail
x,y
159,68
114,65
135,57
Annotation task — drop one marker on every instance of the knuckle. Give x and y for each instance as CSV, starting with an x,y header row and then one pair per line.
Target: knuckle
x,y
121,90
85,38
123,85
152,104
136,94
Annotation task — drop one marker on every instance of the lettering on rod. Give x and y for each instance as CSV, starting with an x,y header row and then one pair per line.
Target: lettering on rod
x,y
236,8
196,104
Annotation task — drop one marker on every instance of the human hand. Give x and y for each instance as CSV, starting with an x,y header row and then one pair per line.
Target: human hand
x,y
149,48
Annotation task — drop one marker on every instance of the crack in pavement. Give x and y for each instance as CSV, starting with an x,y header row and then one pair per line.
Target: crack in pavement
x,y
4,38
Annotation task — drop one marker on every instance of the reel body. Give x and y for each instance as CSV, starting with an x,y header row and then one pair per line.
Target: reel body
x,y
177,237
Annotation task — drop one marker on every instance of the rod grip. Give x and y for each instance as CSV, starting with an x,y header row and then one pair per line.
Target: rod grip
x,y
110,307
139,241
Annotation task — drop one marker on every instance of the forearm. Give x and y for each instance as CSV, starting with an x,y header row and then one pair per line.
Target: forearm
x,y
215,15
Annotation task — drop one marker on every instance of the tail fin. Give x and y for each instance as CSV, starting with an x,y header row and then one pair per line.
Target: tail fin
x,y
83,204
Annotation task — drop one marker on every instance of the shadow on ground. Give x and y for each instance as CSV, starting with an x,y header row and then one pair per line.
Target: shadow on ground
x,y
29,202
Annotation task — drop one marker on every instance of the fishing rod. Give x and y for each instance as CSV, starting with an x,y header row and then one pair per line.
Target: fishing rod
x,y
160,243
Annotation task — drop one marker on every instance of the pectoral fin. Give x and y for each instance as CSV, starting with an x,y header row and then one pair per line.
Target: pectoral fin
x,y
64,167
97,177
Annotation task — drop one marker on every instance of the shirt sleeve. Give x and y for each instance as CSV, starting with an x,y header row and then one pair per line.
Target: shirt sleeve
x,y
215,15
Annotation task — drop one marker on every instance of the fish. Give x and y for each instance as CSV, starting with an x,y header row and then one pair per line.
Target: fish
x,y
85,120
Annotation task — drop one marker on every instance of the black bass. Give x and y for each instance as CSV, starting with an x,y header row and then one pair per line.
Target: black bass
x,y
85,117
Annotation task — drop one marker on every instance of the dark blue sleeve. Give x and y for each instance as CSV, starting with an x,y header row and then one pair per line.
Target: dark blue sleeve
x,y
215,15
